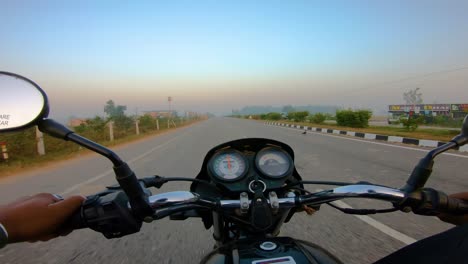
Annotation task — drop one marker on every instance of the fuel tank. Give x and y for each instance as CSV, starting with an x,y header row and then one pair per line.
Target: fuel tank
x,y
277,250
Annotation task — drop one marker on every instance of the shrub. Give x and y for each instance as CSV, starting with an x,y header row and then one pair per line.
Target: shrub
x,y
411,123
273,116
318,118
353,118
298,116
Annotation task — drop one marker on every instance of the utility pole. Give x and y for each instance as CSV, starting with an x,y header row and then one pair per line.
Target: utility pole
x,y
169,100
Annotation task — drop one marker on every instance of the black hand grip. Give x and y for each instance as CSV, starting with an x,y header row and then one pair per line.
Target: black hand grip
x,y
76,221
450,205
428,201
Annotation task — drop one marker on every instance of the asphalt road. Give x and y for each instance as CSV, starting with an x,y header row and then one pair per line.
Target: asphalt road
x,y
318,156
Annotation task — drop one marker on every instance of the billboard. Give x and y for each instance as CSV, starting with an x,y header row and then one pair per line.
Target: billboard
x,y
459,108
420,108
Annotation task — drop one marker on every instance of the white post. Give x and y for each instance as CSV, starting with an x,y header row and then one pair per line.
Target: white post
x,y
157,124
111,131
168,124
137,127
40,142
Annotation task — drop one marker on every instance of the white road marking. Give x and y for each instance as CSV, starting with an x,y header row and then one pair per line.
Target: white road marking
x,y
109,172
384,144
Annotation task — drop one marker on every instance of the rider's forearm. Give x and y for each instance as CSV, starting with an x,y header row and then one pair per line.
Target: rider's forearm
x,y
3,236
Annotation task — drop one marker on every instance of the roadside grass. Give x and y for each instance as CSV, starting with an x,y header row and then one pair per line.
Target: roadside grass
x,y
420,133
64,150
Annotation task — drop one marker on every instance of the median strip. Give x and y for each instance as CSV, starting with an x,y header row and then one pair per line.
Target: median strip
x,y
371,136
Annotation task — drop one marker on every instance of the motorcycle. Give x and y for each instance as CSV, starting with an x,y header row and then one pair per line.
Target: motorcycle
x,y
246,190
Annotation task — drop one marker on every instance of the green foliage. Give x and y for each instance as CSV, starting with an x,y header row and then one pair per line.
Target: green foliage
x,y
124,126
301,116
147,123
318,118
114,111
442,120
411,123
273,116
298,116
353,118
94,129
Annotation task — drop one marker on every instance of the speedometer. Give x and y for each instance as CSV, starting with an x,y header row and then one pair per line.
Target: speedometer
x,y
228,165
274,162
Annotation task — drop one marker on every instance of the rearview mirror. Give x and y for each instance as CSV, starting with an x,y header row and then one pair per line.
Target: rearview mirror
x,y
22,102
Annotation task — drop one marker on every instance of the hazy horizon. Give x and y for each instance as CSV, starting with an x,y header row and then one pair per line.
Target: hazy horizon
x,y
215,57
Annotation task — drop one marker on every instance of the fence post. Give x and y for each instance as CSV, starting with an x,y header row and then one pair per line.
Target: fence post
x,y
157,124
40,142
4,151
137,127
111,131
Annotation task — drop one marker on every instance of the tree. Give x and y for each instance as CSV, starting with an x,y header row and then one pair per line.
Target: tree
x,y
413,97
288,109
318,118
114,111
301,116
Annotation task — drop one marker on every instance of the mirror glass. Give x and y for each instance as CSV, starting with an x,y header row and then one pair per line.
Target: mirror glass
x,y
21,102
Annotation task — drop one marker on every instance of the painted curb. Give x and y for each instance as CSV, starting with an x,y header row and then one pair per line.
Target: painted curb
x,y
394,139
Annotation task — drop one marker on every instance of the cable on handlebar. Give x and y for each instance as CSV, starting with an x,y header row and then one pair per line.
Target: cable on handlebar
x,y
319,183
362,211
158,181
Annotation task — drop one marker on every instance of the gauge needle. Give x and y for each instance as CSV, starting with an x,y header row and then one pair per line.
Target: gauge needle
x,y
229,161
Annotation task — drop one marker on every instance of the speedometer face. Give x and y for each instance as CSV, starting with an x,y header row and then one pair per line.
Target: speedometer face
x,y
229,166
273,162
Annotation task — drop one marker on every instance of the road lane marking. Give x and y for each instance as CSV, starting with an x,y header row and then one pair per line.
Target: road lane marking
x,y
108,172
379,143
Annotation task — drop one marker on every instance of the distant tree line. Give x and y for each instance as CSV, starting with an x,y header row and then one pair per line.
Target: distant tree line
x,y
258,110
349,118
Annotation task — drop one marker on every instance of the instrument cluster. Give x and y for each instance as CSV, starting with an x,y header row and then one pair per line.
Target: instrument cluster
x,y
240,170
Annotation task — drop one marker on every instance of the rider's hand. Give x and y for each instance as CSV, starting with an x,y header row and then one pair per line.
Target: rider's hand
x,y
456,219
39,217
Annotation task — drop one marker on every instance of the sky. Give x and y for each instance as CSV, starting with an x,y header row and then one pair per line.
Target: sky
x,y
215,56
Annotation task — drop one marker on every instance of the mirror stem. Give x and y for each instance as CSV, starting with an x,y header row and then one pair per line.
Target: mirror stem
x,y
124,175
55,129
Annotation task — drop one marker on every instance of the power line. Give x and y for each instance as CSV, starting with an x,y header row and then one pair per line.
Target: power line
x,y
411,78
426,75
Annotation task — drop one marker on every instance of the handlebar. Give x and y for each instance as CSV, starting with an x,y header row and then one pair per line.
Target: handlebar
x,y
178,198
111,213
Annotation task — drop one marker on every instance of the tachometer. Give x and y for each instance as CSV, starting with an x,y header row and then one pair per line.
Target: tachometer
x,y
228,165
274,162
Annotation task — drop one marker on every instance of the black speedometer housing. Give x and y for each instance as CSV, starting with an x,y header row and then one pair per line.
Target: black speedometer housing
x,y
249,148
